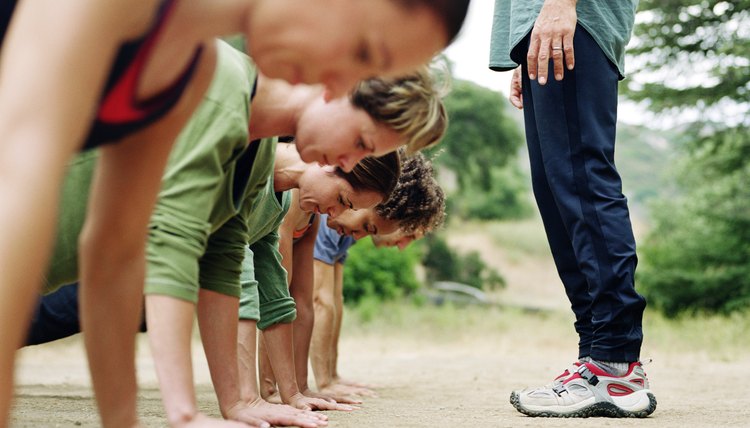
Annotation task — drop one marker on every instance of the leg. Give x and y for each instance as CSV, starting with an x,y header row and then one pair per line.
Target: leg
x,y
576,285
577,141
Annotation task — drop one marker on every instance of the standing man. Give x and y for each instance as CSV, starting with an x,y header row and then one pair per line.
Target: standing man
x,y
571,58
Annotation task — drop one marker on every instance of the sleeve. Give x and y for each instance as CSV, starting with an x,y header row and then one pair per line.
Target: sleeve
x,y
276,305
249,302
221,264
500,38
325,246
181,222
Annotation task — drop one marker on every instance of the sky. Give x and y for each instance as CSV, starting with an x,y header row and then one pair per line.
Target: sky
x,y
470,51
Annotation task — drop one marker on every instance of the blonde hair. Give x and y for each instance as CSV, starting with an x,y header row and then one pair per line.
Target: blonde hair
x,y
411,105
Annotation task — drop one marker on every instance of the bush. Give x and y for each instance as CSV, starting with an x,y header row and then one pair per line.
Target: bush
x,y
444,264
697,257
379,273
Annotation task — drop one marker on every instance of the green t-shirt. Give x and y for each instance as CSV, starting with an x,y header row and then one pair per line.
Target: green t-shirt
x,y
265,292
194,237
610,23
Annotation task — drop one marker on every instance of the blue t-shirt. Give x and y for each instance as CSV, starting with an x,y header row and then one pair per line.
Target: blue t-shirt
x,y
330,247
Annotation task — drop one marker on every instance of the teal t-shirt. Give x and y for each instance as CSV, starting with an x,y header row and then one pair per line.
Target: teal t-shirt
x,y
192,241
265,292
610,23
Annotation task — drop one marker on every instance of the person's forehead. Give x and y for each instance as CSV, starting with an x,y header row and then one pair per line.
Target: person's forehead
x,y
384,225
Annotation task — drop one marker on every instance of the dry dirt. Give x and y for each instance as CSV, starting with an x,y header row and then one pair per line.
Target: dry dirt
x,y
432,380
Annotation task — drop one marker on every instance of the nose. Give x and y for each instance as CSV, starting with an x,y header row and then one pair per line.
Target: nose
x,y
334,211
348,161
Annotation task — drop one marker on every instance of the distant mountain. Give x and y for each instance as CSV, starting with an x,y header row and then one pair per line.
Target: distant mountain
x,y
644,158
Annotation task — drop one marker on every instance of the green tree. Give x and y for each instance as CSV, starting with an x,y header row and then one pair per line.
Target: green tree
x,y
442,263
481,148
692,65
379,273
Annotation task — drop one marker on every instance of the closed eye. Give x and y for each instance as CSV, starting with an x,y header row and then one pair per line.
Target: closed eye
x,y
363,54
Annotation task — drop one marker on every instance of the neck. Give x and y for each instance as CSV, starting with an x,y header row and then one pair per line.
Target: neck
x,y
288,168
277,107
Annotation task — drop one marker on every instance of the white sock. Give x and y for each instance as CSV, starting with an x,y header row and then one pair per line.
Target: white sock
x,y
613,367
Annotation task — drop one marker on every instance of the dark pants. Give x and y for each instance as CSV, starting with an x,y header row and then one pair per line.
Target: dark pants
x,y
570,132
57,316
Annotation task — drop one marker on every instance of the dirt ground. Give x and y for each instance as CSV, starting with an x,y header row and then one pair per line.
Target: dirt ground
x,y
432,378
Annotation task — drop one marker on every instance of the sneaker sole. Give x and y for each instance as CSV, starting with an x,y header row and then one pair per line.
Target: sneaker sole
x,y
604,409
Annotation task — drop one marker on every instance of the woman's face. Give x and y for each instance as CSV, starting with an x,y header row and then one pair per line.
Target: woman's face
x,y
361,223
337,133
340,42
322,191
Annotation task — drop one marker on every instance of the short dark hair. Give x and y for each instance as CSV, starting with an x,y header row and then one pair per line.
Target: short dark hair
x,y
378,174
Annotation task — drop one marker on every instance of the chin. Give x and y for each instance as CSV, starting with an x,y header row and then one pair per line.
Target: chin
x,y
305,155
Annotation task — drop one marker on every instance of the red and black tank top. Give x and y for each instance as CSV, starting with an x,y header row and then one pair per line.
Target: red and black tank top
x,y
120,112
300,233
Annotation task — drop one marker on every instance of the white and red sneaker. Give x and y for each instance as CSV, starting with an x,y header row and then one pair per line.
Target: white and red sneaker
x,y
591,391
555,382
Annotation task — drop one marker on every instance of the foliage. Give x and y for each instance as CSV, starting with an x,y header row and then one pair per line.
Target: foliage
x,y
379,273
692,60
697,258
444,264
480,147
507,200
693,54
641,157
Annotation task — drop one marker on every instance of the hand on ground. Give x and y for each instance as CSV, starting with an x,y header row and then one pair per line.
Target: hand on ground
x,y
276,414
199,420
337,389
344,399
354,383
304,402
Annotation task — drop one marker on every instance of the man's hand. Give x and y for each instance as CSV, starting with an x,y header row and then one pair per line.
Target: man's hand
x,y
275,414
516,91
552,36
344,399
304,402
337,389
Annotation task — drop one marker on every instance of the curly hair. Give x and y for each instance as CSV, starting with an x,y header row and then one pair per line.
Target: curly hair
x,y
418,201
411,105
378,174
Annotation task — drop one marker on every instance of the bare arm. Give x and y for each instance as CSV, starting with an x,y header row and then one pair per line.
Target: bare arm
x,y
325,314
286,237
52,67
